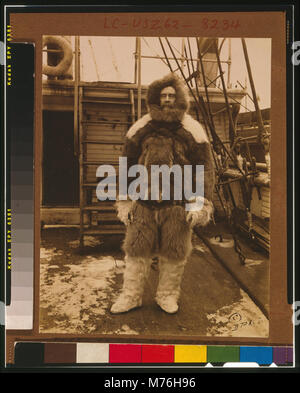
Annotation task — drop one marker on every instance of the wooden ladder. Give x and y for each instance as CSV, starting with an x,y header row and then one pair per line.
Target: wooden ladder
x,y
101,136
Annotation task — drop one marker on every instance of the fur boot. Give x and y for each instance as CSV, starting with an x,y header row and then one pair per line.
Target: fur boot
x,y
168,290
135,274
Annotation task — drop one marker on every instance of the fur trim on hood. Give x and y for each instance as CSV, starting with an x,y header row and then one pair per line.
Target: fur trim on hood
x,y
181,103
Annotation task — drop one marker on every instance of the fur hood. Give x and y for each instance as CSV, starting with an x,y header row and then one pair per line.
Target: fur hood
x,y
181,103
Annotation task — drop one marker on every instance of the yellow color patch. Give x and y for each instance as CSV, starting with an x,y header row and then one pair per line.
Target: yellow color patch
x,y
190,353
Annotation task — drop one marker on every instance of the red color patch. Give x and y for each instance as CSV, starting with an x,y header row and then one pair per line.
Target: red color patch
x,y
125,353
158,354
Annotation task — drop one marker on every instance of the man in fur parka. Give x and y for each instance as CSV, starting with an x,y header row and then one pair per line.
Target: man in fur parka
x,y
166,135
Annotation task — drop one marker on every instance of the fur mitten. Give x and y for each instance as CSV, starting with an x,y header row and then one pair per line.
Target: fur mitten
x,y
124,209
203,215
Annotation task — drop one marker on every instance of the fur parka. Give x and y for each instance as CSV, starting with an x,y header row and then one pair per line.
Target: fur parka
x,y
172,138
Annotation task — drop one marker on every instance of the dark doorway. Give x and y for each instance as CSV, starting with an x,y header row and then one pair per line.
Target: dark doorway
x,y
60,166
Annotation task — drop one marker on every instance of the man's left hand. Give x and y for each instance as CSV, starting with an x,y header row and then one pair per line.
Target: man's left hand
x,y
201,217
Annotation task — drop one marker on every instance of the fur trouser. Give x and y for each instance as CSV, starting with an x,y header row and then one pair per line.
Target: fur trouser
x,y
163,232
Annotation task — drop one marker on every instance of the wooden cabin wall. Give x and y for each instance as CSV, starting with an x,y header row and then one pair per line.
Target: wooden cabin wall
x,y
107,116
107,123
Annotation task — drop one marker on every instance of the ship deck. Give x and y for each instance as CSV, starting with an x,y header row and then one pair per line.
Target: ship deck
x,y
220,297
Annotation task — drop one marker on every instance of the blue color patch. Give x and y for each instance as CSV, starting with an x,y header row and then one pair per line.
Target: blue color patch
x,y
260,355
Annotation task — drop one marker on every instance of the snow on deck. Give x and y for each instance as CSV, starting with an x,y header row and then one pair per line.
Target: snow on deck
x,y
77,290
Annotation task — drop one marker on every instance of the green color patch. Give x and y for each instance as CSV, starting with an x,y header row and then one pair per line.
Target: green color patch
x,y
223,354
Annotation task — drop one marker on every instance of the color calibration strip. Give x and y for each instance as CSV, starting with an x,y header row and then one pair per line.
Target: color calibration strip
x,y
32,354
20,189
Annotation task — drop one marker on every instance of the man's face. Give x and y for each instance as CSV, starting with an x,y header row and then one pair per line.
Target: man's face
x,y
167,97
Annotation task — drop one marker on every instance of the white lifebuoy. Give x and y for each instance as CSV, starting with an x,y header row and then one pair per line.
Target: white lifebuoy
x,y
63,66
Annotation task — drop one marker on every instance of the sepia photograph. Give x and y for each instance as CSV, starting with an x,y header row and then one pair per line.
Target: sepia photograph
x,y
155,186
